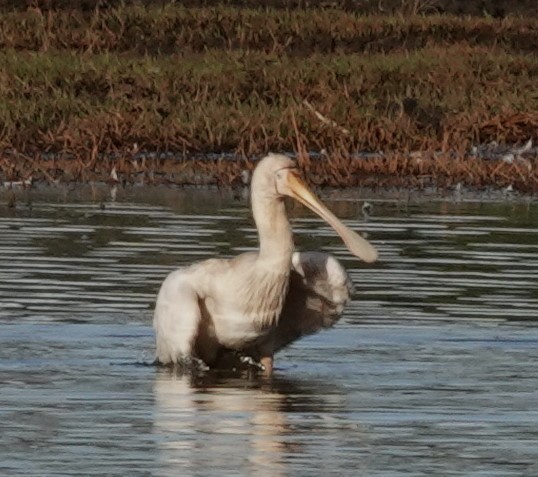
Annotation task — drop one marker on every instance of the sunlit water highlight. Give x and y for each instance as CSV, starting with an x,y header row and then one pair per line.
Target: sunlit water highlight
x,y
432,371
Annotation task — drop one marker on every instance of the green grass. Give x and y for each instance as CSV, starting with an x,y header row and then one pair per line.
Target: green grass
x,y
213,100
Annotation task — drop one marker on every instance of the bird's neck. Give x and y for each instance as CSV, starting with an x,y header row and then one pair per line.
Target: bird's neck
x,y
274,231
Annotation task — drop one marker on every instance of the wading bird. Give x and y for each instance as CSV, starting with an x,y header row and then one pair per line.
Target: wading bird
x,y
257,302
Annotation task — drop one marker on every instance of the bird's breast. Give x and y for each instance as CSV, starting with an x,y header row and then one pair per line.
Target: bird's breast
x,y
250,311
264,297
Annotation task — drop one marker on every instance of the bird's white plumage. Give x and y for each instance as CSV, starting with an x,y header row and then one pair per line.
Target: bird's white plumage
x,y
177,317
256,303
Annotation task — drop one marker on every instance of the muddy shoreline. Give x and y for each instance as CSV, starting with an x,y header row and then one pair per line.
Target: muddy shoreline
x,y
103,195
415,171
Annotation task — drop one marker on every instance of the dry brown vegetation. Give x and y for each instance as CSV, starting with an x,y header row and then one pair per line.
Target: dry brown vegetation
x,y
92,87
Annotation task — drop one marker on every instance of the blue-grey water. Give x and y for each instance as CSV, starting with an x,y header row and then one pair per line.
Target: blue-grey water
x,y
433,370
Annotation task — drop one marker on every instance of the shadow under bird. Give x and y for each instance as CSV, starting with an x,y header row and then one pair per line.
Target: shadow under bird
x,y
255,304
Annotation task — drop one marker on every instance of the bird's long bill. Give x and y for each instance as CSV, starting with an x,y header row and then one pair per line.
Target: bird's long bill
x,y
357,245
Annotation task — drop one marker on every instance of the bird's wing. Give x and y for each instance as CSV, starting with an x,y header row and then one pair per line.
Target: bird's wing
x,y
318,292
176,319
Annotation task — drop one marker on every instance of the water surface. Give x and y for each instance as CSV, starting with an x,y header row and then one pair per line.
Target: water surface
x,y
433,370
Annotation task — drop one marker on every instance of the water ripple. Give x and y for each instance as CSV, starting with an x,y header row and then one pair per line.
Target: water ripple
x,y
433,370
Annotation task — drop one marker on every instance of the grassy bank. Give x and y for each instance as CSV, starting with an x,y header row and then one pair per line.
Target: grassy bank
x,y
100,84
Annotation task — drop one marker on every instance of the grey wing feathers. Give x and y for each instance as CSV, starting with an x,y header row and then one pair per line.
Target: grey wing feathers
x,y
319,289
322,274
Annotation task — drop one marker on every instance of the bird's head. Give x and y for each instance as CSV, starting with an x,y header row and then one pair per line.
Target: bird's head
x,y
271,175
276,176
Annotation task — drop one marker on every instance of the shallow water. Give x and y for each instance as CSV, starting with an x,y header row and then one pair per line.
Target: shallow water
x,y
433,370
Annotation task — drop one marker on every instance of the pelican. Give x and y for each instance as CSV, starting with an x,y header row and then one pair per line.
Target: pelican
x,y
258,302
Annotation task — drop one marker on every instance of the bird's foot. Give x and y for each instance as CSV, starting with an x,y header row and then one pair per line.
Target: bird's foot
x,y
249,361
193,364
185,365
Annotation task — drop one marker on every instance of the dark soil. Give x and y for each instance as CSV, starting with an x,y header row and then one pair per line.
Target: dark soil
x,y
492,8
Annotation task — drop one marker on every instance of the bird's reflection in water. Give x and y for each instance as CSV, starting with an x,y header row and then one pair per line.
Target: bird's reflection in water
x,y
226,423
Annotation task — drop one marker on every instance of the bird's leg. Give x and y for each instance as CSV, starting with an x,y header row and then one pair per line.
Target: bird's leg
x,y
267,363
266,351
